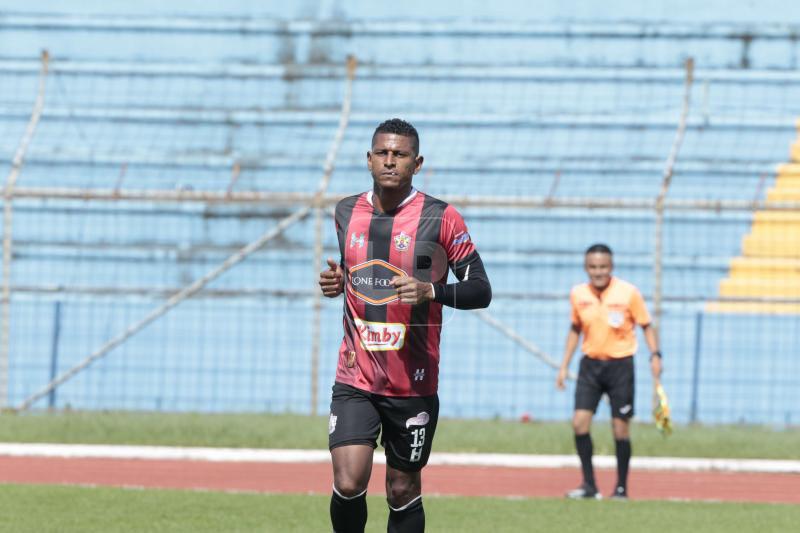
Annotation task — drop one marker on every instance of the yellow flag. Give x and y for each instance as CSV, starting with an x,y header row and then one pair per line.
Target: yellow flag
x,y
661,414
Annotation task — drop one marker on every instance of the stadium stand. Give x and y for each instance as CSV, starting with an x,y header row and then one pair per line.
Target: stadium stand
x,y
566,112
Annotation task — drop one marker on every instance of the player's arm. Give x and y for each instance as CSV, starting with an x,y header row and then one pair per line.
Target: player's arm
x,y
472,291
573,336
331,281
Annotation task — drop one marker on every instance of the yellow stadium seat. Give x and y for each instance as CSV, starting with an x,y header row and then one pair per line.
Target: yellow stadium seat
x,y
770,265
772,308
783,194
756,246
760,288
765,268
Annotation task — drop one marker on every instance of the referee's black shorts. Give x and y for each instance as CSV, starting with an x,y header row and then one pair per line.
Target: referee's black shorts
x,y
611,376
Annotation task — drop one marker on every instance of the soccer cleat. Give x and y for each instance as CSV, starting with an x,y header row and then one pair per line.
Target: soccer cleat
x,y
619,494
584,492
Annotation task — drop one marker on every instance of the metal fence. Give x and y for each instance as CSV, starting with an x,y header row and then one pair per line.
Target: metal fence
x,y
164,225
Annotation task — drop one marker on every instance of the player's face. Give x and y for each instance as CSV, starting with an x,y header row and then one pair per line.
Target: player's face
x,y
393,161
598,265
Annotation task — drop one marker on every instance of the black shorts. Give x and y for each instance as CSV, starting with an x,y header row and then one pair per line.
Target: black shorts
x,y
614,377
406,424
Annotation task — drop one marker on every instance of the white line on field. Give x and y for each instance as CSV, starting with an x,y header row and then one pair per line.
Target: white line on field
x,y
691,464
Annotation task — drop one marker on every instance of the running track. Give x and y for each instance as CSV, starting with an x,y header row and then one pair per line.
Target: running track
x,y
314,476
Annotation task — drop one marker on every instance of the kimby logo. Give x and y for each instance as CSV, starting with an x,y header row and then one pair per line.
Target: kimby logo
x,y
381,336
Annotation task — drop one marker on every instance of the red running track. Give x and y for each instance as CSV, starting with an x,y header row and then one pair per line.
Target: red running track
x,y
305,478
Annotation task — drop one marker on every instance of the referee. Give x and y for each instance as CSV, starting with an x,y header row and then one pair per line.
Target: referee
x,y
605,311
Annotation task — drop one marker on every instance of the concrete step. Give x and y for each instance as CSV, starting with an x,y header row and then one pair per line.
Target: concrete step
x,y
776,231
788,181
776,217
755,308
758,246
788,169
760,287
764,267
783,194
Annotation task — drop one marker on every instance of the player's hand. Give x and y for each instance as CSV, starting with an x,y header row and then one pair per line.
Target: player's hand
x,y
331,281
411,290
655,368
562,375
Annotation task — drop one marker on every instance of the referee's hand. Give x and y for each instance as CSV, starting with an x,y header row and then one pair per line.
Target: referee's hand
x,y
562,375
412,291
331,281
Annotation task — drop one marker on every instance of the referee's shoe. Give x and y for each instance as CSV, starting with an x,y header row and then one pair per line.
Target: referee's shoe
x,y
619,494
585,492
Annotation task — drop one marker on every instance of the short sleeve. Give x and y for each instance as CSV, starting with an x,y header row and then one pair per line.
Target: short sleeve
x,y
574,317
639,309
455,237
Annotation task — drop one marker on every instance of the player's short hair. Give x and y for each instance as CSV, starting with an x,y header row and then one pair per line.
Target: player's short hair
x,y
399,127
599,248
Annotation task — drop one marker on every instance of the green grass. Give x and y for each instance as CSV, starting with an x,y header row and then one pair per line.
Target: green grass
x,y
44,509
297,431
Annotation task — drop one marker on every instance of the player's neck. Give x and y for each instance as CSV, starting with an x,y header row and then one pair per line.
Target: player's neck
x,y
387,200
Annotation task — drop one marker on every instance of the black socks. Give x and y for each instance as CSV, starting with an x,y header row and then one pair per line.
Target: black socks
x,y
348,515
407,519
623,460
583,443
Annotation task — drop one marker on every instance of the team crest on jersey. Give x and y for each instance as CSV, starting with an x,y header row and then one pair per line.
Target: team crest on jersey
x,y
356,239
615,319
402,242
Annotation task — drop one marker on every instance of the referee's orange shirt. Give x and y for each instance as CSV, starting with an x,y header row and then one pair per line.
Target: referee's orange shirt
x,y
608,319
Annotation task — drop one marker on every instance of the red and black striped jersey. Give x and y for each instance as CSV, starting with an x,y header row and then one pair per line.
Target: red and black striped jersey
x,y
391,348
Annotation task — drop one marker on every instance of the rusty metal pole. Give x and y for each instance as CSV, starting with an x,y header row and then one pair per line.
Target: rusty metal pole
x,y
8,222
666,181
330,161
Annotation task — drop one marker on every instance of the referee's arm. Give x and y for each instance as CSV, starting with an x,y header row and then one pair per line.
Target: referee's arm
x,y
573,337
655,354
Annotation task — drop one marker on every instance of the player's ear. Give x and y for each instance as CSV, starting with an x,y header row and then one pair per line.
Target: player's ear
x,y
418,161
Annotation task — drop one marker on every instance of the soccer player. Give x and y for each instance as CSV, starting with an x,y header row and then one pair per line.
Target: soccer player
x,y
605,310
396,245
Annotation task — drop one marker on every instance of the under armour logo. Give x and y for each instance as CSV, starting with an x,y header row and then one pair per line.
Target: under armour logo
x,y
356,240
419,374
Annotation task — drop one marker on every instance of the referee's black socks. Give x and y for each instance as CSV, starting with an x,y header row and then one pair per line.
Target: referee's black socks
x,y
409,518
623,460
583,443
348,515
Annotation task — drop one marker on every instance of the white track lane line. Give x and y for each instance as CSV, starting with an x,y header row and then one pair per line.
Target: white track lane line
x,y
454,459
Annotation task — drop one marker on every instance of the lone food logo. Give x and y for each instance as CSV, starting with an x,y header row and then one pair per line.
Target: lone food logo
x,y
381,336
371,281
